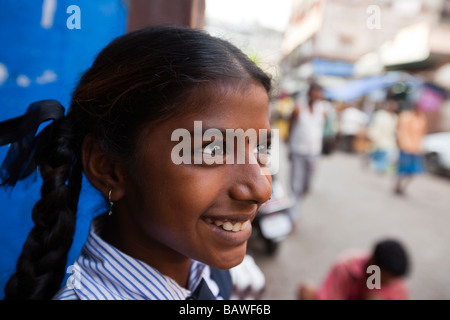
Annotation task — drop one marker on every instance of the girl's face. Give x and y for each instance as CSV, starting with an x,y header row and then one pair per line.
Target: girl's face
x,y
184,211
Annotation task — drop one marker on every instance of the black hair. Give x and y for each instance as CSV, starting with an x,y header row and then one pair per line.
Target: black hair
x,y
391,255
314,85
140,78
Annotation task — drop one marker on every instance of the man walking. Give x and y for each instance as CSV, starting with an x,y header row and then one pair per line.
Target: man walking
x,y
306,126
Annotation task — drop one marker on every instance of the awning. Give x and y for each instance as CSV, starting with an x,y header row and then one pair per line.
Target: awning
x,y
354,89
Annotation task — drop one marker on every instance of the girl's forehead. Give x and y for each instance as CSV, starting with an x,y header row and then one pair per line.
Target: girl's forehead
x,y
249,104
221,92
226,108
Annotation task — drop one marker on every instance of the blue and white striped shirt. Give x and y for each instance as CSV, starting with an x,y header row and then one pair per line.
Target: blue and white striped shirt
x,y
102,272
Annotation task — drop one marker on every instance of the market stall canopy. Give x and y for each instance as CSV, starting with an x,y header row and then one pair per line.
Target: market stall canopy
x,y
356,88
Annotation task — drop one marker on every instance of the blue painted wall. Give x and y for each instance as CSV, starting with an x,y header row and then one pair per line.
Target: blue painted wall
x,y
44,49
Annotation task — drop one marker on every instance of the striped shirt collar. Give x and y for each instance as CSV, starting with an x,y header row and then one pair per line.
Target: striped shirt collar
x,y
105,273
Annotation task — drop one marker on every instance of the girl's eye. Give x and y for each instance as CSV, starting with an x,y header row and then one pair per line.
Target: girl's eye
x,y
264,153
212,154
213,150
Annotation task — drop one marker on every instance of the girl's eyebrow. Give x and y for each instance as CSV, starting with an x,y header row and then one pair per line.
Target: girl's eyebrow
x,y
267,138
222,131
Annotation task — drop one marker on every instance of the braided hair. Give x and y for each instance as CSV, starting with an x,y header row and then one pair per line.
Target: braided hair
x,y
140,78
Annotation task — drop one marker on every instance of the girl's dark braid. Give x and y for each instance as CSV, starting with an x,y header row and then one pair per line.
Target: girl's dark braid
x,y
41,265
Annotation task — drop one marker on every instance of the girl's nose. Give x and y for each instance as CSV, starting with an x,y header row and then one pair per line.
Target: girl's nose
x,y
251,184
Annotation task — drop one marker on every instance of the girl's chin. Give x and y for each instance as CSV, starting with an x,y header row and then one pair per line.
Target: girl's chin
x,y
229,260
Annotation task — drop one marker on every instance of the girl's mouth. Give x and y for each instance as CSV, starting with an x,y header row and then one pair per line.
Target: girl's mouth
x,y
228,225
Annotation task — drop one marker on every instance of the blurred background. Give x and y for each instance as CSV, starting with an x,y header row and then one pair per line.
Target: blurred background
x,y
358,51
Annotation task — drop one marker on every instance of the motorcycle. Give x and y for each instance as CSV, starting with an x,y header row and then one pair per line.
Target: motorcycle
x,y
272,222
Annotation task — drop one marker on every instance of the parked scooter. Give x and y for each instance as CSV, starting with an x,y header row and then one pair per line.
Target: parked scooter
x,y
272,224
249,282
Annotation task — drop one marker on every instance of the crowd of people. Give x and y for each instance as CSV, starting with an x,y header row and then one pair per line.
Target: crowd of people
x,y
389,136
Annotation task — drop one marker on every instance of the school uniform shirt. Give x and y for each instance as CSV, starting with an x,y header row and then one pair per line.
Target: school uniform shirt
x,y
102,272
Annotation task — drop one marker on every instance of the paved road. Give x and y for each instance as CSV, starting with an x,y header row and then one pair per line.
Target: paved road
x,y
351,207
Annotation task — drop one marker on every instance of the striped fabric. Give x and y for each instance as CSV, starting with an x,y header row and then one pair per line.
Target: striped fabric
x,y
104,273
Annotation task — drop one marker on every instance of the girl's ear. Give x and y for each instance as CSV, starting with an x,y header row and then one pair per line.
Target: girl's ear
x,y
103,174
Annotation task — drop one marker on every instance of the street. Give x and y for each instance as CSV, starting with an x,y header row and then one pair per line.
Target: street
x,y
350,206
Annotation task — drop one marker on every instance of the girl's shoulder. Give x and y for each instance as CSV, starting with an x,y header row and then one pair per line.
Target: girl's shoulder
x,y
66,293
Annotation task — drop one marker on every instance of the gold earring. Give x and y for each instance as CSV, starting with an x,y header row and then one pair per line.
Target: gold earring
x,y
111,203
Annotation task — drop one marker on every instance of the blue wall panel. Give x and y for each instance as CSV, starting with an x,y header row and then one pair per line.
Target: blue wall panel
x,y
44,49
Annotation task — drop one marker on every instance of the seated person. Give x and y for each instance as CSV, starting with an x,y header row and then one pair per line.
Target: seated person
x,y
350,278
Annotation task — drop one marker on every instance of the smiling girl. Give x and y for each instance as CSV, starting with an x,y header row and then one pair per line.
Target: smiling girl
x,y
169,230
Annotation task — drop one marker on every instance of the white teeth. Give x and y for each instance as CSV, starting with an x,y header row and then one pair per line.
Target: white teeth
x,y
228,225
237,227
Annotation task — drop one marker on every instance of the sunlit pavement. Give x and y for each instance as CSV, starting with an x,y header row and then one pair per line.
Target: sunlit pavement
x,y
350,206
